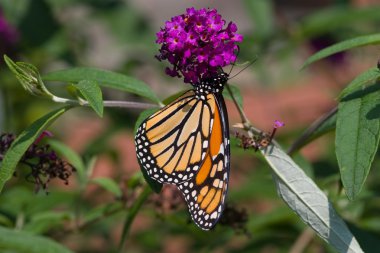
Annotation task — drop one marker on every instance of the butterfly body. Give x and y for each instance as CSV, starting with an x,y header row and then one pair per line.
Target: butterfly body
x,y
186,143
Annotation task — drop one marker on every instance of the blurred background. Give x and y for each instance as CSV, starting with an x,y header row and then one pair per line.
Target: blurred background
x,y
119,35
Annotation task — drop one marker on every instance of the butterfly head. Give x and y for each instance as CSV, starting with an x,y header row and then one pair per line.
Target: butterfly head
x,y
213,84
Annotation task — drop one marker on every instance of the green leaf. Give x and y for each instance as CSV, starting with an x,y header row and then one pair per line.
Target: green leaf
x,y
304,164
330,19
108,184
321,126
326,126
5,220
362,81
261,11
104,78
71,156
309,202
102,210
278,215
135,180
342,46
44,221
23,242
236,93
22,143
357,139
91,91
144,115
153,184
132,212
20,199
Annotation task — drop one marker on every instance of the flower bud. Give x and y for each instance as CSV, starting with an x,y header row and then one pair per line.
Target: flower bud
x,y
29,77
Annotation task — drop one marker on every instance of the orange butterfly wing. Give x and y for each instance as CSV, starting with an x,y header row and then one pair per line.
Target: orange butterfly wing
x,y
172,143
206,192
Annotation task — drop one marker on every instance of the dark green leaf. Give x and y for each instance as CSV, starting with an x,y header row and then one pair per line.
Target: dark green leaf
x,y
92,93
104,78
153,184
23,242
71,156
357,139
39,15
342,46
330,19
368,240
22,143
5,221
108,184
362,81
236,93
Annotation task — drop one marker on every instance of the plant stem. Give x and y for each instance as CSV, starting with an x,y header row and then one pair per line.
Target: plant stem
x,y
20,220
302,241
243,117
105,215
106,103
132,214
251,130
300,141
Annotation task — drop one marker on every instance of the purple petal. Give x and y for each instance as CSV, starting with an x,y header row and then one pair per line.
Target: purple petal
x,y
278,124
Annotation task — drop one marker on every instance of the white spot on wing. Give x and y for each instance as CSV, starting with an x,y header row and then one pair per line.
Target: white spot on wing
x,y
214,215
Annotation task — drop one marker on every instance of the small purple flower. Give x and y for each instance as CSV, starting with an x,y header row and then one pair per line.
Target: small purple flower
x,y
197,45
278,124
191,39
43,135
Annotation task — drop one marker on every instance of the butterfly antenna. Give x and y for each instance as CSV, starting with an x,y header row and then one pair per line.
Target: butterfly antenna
x,y
249,64
233,64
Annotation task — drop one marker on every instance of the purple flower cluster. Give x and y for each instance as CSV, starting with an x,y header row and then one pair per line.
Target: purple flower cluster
x,y
197,44
43,162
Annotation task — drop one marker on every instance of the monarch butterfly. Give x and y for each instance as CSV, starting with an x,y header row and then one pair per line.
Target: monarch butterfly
x,y
186,143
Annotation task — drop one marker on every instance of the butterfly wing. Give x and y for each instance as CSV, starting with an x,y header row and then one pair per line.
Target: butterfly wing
x,y
205,193
172,143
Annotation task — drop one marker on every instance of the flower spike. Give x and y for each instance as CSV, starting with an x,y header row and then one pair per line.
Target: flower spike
x,y
197,44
